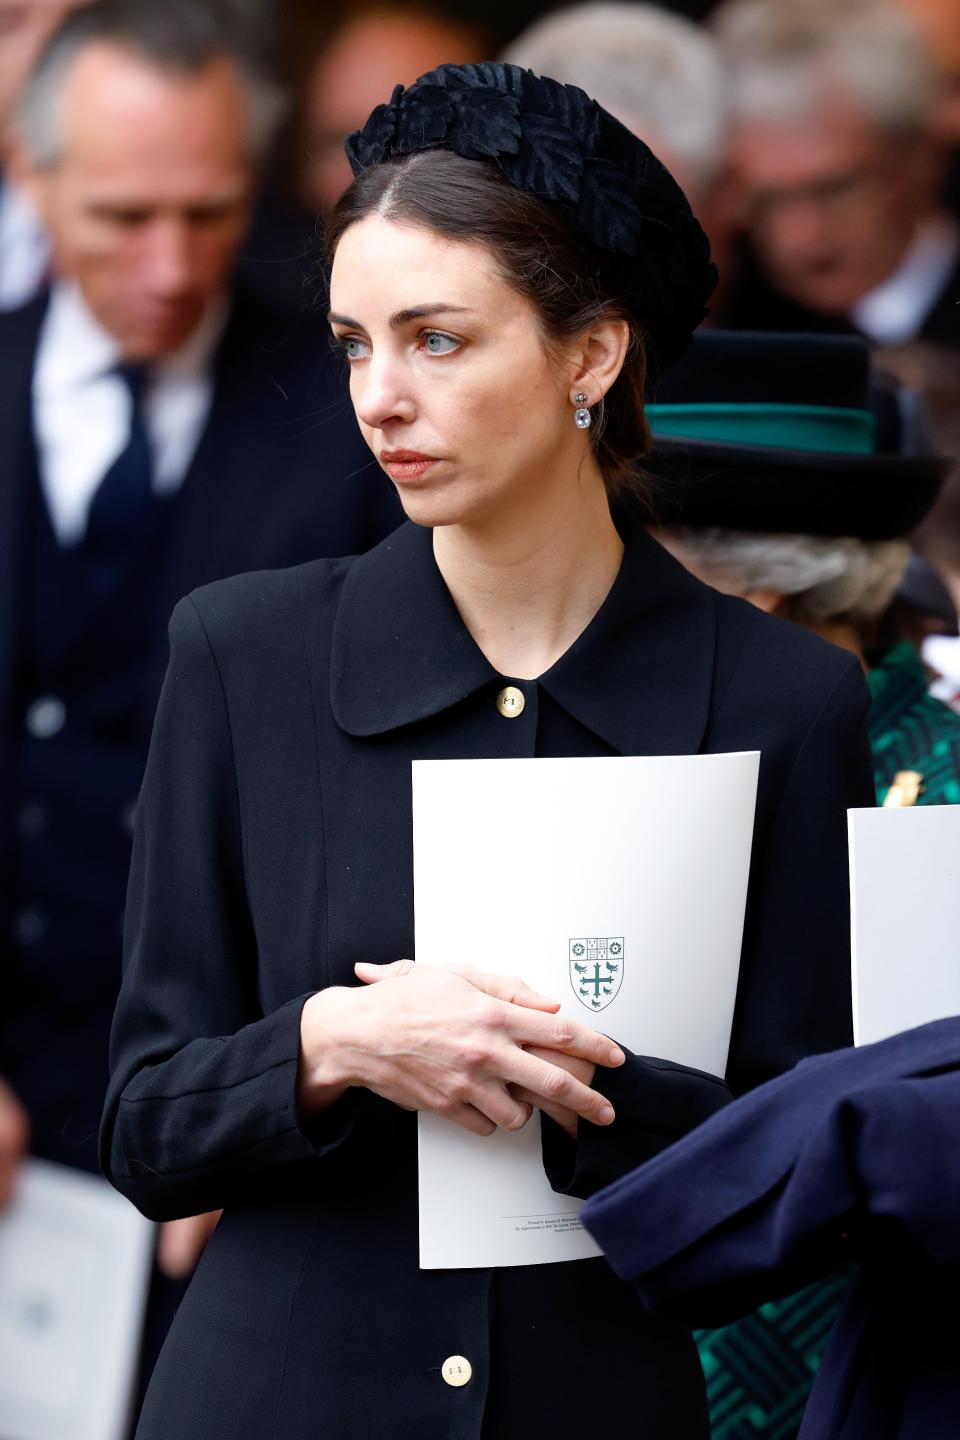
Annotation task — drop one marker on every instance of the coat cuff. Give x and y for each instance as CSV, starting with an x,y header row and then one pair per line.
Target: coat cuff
x,y
656,1101
179,1149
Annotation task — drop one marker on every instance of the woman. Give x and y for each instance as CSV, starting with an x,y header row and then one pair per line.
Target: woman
x,y
504,266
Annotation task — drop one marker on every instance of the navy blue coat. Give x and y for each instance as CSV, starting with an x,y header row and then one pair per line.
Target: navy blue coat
x,y
273,851
854,1154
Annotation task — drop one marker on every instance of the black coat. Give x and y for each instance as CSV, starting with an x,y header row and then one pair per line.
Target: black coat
x,y
274,850
855,1153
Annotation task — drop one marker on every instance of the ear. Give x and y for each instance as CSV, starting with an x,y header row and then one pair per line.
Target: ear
x,y
598,360
23,174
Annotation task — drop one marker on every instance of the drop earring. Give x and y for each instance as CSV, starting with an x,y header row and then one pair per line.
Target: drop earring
x,y
581,416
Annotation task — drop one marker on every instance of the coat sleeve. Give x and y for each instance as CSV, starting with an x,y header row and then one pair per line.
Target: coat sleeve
x,y
793,997
201,1104
855,1153
656,1102
794,992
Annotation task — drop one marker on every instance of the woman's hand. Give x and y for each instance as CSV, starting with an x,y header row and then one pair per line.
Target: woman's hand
x,y
14,1139
181,1243
562,1115
452,1041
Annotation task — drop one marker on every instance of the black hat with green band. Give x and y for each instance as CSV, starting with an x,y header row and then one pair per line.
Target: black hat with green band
x,y
785,433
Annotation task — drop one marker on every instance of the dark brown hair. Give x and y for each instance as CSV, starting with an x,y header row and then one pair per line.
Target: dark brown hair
x,y
537,253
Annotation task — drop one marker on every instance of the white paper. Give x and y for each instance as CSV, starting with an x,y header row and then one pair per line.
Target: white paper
x,y
75,1262
904,918
519,862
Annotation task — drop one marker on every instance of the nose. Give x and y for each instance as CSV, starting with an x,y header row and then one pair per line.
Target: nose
x,y
168,259
800,229
381,391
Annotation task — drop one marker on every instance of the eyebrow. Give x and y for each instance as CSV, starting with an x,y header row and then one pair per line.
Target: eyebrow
x,y
404,317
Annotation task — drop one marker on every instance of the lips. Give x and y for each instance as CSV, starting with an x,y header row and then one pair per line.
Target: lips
x,y
406,464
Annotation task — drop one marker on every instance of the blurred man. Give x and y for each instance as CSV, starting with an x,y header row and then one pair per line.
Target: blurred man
x,y
361,63
159,430
656,72
662,77
25,26
938,21
838,172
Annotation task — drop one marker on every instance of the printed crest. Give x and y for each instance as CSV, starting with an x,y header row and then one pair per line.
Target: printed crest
x,y
596,970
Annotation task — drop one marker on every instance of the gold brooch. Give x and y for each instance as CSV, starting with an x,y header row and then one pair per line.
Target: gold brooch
x,y
906,789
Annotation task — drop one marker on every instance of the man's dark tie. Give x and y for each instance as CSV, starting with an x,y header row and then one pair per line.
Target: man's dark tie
x,y
121,508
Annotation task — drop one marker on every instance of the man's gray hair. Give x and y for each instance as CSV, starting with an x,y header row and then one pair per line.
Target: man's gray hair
x,y
825,578
782,54
658,73
180,36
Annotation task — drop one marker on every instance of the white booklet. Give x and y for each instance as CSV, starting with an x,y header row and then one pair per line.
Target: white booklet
x,y
75,1262
904,918
615,885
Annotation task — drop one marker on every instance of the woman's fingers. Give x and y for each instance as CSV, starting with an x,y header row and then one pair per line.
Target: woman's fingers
x,y
552,1085
469,1118
553,1032
509,988
561,1116
502,987
370,973
499,1105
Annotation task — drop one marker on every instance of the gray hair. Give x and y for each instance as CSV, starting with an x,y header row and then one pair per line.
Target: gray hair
x,y
176,35
781,54
656,72
826,578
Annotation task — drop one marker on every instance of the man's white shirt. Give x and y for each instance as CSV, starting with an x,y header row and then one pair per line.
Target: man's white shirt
x,y
82,408
894,312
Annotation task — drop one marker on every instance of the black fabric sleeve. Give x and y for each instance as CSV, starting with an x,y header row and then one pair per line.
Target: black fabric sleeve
x,y
793,996
202,1096
655,1102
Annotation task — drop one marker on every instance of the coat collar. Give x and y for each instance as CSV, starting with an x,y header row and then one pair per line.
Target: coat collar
x,y
639,676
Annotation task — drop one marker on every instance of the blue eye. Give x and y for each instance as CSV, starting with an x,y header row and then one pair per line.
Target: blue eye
x,y
354,348
436,343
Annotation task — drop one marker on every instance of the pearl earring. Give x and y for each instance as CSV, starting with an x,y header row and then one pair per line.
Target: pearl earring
x,y
581,416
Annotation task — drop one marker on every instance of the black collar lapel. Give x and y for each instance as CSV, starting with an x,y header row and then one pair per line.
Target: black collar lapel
x,y
400,650
639,676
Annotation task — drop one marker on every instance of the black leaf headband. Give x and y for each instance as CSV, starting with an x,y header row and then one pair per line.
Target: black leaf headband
x,y
553,141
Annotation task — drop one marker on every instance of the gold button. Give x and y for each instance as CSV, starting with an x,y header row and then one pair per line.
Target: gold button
x,y
510,702
457,1370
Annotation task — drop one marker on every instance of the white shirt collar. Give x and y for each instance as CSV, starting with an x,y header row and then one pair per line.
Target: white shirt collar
x,y
81,407
75,347
894,312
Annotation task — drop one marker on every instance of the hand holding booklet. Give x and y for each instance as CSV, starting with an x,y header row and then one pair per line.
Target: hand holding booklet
x,y
614,885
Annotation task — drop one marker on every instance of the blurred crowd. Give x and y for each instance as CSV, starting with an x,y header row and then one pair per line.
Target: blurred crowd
x,y
172,414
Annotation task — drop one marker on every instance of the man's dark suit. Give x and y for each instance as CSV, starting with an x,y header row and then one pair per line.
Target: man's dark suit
x,y
755,303
281,475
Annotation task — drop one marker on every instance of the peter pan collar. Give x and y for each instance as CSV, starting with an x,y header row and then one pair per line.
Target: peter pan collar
x,y
639,676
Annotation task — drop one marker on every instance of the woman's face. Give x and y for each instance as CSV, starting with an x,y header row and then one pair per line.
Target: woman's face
x,y
454,391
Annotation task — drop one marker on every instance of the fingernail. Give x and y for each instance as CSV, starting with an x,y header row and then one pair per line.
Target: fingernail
x,y
617,1056
606,1114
